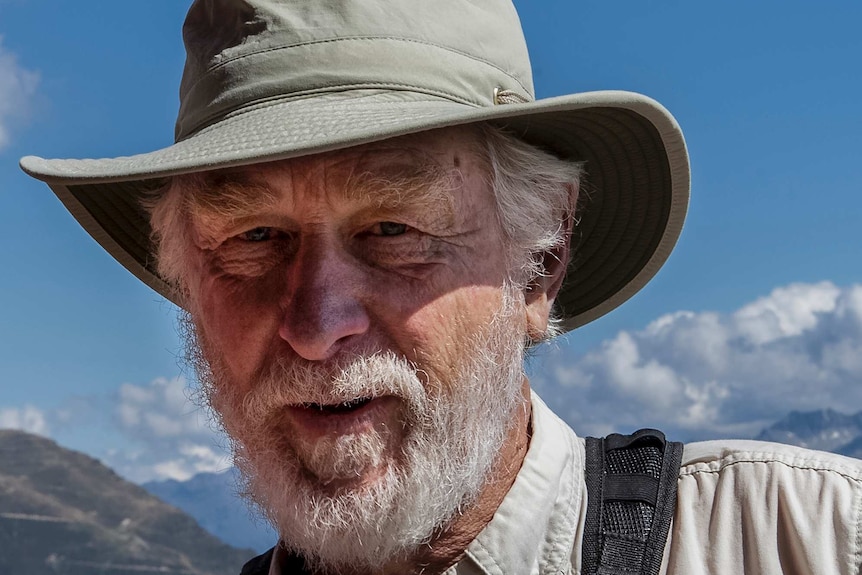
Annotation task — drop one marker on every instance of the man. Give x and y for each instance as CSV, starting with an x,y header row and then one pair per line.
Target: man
x,y
367,218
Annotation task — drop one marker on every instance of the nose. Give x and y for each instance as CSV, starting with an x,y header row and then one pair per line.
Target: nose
x,y
323,308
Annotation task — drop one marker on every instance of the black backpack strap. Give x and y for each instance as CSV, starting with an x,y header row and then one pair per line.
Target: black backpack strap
x,y
631,489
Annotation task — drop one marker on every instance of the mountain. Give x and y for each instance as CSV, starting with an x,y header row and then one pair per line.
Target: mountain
x,y
211,499
825,429
64,512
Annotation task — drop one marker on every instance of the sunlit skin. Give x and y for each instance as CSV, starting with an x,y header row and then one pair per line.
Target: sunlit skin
x,y
327,267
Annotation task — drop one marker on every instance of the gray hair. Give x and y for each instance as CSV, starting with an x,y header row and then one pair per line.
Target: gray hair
x,y
536,193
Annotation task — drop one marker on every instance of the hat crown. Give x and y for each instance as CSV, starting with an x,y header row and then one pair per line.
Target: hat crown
x,y
244,53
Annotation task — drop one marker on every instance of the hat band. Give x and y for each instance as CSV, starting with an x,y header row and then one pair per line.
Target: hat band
x,y
339,64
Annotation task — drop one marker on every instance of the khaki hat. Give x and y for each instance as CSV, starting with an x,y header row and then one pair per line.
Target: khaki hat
x,y
267,80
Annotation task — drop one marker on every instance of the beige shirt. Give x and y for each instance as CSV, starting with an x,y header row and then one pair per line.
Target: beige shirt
x,y
743,508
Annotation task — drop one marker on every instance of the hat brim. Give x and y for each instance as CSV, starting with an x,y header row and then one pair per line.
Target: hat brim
x,y
636,165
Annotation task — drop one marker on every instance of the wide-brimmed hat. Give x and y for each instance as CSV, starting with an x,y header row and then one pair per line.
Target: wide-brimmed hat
x,y
267,80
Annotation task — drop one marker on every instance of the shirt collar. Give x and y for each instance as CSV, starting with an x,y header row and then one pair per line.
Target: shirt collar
x,y
542,516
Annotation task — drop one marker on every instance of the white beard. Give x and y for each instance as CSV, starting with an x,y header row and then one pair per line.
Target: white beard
x,y
449,445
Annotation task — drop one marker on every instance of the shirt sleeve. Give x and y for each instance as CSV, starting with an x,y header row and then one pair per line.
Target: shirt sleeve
x,y
756,508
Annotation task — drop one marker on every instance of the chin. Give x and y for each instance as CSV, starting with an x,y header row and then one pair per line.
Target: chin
x,y
379,515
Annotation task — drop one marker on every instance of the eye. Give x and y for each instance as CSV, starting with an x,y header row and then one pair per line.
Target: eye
x,y
260,234
389,229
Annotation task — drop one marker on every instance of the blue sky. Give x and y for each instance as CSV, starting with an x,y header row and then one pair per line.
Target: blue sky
x,y
767,95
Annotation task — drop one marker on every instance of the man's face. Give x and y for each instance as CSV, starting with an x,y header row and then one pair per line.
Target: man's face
x,y
359,339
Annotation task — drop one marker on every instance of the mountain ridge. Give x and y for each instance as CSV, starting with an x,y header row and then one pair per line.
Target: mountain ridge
x,y
62,511
212,499
822,429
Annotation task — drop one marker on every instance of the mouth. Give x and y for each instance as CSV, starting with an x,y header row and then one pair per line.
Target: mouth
x,y
355,416
339,408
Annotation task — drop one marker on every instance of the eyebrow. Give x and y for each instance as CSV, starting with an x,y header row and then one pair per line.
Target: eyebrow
x,y
426,187
229,194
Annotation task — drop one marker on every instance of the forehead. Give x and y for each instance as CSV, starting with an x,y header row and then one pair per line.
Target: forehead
x,y
411,160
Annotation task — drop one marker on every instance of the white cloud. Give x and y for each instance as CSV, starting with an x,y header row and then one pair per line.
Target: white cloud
x,y
174,436
27,418
706,374
192,459
160,409
786,312
17,86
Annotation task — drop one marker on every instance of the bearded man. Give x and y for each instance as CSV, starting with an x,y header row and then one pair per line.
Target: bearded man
x,y
367,218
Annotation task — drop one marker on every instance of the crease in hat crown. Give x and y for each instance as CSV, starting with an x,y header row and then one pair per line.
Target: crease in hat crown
x,y
244,54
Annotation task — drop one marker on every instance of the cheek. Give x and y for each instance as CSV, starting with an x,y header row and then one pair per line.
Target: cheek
x,y
237,324
440,336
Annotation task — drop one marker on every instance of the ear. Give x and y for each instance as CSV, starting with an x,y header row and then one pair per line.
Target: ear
x,y
541,291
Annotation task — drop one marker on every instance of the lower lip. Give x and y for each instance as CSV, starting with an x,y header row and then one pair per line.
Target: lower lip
x,y
312,421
